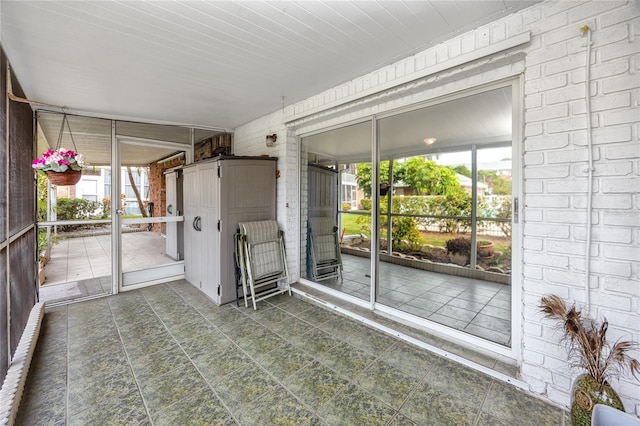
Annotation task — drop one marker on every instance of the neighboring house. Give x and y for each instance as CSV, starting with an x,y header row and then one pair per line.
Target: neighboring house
x,y
95,185
538,54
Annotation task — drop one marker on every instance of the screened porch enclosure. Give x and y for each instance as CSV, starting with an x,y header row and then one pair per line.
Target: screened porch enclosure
x,y
107,233
409,210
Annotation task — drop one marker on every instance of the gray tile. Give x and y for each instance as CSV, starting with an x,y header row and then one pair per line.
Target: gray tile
x,y
456,313
492,323
315,384
316,315
105,362
354,406
129,409
410,359
158,363
162,391
243,386
146,345
431,406
284,361
315,341
459,382
387,383
276,408
448,321
371,341
347,360
497,312
195,329
512,406
215,366
290,329
200,408
101,389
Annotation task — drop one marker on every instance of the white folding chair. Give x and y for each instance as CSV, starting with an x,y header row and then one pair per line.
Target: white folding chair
x,y
324,249
262,261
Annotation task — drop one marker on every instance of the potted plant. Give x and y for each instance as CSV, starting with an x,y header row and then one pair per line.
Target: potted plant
x,y
588,349
62,166
459,250
485,248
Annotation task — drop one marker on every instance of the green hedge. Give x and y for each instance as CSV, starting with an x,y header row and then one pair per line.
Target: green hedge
x,y
496,206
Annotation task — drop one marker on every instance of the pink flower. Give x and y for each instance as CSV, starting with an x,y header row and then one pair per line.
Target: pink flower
x,y
38,163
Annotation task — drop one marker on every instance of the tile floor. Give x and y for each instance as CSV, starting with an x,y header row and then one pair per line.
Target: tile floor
x,y
480,308
82,266
166,355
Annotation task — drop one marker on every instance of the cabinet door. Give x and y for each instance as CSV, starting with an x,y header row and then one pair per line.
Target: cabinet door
x,y
208,180
210,254
192,237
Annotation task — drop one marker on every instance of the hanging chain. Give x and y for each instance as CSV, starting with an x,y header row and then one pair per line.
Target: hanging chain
x,y
65,120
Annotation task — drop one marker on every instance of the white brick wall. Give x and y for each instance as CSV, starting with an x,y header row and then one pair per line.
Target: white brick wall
x,y
554,161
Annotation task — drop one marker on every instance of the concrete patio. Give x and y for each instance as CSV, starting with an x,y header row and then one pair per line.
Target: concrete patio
x,y
81,266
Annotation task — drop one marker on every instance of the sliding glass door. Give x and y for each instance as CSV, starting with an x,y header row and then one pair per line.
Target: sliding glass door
x,y
431,224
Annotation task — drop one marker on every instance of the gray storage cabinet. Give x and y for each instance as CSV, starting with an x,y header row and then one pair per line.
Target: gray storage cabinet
x,y
218,194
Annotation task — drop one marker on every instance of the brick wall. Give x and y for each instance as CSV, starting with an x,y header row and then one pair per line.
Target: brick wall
x,y
253,142
553,162
157,189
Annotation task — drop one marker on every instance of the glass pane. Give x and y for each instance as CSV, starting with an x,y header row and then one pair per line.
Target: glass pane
x,y
332,188
427,266
149,251
75,259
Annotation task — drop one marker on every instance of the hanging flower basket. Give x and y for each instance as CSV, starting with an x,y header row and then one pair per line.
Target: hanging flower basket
x,y
62,166
68,178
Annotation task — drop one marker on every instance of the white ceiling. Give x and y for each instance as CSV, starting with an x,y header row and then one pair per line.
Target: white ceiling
x,y
482,119
214,63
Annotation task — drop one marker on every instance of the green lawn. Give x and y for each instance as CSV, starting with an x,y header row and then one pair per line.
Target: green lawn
x,y
350,225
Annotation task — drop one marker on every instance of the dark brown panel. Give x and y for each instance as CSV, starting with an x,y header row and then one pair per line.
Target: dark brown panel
x,y
3,148
21,153
4,339
22,282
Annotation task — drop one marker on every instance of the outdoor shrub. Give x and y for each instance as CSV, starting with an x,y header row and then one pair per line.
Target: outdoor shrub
x,y
461,245
499,207
346,206
76,208
366,204
405,228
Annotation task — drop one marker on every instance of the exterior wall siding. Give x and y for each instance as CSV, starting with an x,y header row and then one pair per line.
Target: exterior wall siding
x,y
553,162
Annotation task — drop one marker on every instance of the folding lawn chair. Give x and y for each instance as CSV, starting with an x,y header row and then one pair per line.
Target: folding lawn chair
x,y
324,249
260,255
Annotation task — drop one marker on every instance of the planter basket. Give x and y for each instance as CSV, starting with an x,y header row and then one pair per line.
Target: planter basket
x,y
586,394
68,178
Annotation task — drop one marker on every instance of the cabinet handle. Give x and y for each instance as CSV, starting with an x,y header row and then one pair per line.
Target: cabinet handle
x,y
170,209
195,223
199,224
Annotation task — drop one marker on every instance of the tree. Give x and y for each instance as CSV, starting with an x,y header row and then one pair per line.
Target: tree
x,y
364,175
425,177
462,170
136,192
499,184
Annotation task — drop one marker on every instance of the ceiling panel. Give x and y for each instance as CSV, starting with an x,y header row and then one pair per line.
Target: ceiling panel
x,y
215,64
483,118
